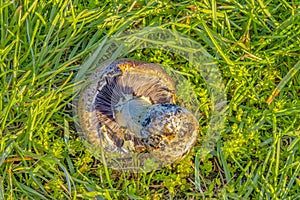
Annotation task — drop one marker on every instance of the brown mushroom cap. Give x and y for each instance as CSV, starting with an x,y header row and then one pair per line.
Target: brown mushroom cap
x,y
129,111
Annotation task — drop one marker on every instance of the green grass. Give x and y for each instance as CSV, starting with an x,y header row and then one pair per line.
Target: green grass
x,y
256,45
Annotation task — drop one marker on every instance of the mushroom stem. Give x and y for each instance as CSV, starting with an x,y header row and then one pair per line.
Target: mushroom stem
x,y
130,111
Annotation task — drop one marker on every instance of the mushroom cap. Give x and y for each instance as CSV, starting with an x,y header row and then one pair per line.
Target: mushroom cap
x,y
127,112
169,131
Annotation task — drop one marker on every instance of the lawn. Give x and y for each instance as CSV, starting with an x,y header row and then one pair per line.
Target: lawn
x,y
255,46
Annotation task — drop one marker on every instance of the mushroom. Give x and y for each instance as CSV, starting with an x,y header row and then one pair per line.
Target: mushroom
x,y
129,111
